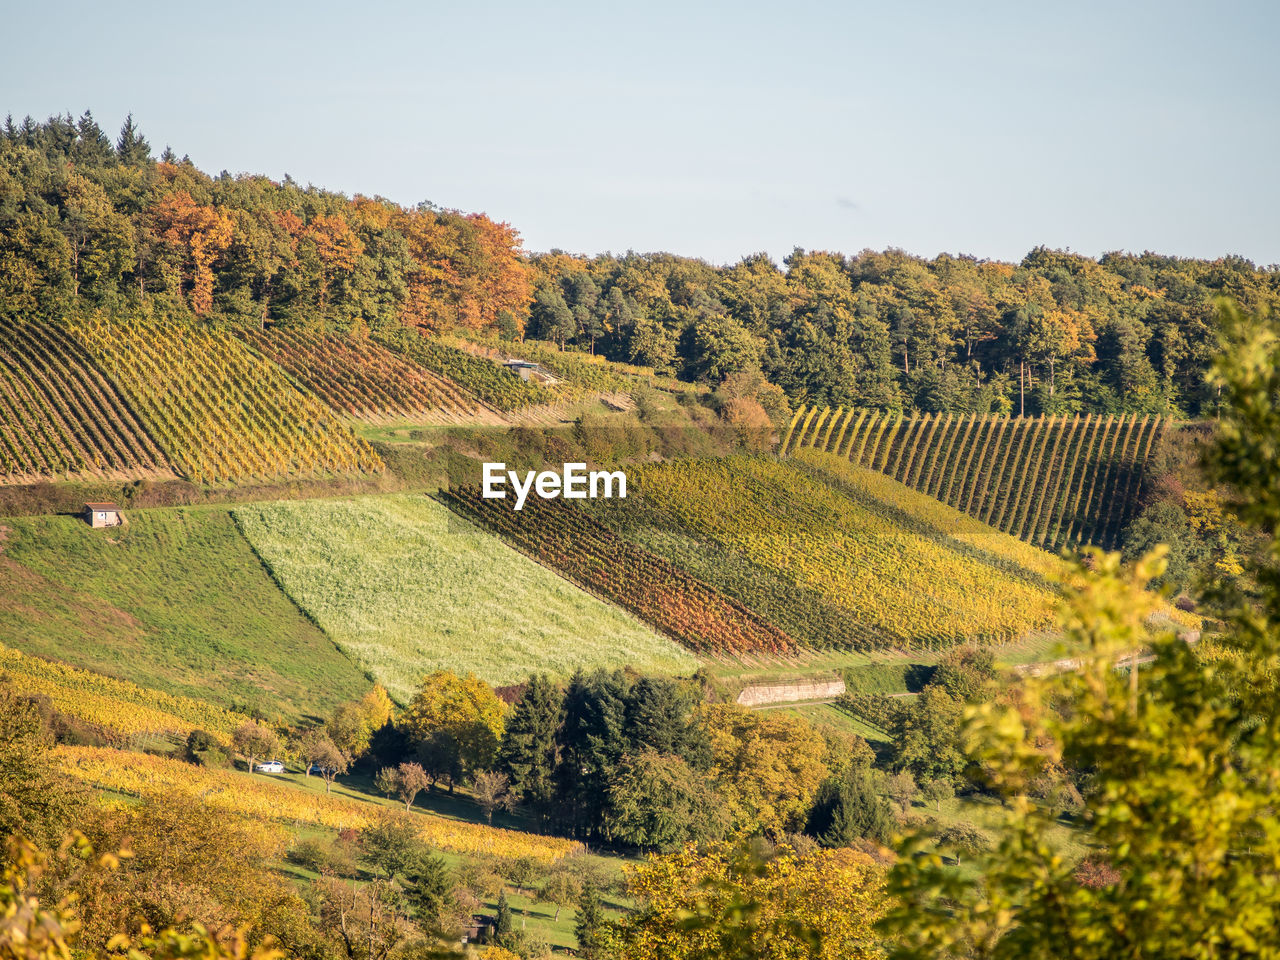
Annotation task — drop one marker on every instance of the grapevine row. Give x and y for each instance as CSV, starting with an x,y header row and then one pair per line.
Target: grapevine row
x,y
58,413
147,776
1052,481
362,378
585,551
220,411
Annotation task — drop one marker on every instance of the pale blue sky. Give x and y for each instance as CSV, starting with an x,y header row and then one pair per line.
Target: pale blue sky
x,y
713,129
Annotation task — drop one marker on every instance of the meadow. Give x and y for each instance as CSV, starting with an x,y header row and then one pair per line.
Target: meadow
x,y
175,601
404,587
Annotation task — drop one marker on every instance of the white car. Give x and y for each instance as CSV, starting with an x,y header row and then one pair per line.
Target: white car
x,y
270,766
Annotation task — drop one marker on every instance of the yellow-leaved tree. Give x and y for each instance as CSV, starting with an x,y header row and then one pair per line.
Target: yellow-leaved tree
x,y
456,724
750,903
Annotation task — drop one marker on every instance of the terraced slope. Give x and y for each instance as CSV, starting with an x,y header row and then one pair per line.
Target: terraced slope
x,y
364,379
834,559
220,411
177,602
1052,481
405,586
60,416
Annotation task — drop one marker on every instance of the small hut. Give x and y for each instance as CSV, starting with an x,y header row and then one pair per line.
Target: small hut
x,y
103,515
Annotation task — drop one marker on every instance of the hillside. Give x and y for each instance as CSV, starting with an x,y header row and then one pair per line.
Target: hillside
x,y
363,379
405,587
60,417
836,561
1052,481
221,411
175,601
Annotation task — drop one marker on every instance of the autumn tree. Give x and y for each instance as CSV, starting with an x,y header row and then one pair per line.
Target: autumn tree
x,y
253,740
329,759
199,234
767,766
456,724
36,802
761,903
492,792
406,781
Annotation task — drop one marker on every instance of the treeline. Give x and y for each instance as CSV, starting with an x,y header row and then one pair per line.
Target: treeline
x,y
88,224
1058,333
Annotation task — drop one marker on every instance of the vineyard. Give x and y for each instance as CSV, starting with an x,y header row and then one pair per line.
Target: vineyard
x,y
404,586
364,379
1052,481
59,415
146,776
220,411
568,540
118,708
494,384
835,568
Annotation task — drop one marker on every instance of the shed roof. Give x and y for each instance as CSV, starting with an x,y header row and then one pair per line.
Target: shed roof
x,y
102,506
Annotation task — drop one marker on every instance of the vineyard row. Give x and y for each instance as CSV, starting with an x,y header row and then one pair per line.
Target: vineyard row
x,y
1052,481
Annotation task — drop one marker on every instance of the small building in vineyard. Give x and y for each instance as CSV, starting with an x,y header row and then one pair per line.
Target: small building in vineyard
x,y
103,515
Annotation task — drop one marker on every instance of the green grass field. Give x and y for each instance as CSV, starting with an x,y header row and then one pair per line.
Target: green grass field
x,y
406,587
177,601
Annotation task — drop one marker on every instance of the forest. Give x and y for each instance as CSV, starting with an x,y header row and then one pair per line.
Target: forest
x,y
88,225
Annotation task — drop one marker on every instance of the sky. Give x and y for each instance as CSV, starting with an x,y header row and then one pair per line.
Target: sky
x,y
714,130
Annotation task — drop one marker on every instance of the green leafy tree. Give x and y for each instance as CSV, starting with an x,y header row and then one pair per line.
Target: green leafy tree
x,y
968,674
938,792
926,736
657,802
388,842
561,889
1182,756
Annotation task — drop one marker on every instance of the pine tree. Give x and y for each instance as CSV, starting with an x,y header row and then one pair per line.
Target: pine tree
x,y
590,925
846,809
592,741
132,147
529,749
92,147
504,931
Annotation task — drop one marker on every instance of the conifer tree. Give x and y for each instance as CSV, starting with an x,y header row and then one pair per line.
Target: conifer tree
x,y
131,146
